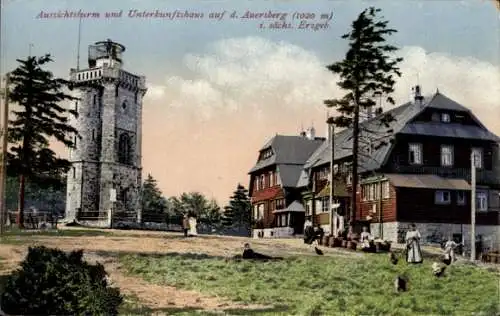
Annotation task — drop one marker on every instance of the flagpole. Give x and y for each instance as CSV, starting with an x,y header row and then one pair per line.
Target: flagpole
x,y
78,44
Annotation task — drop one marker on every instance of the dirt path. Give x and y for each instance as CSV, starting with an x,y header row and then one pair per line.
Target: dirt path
x,y
105,248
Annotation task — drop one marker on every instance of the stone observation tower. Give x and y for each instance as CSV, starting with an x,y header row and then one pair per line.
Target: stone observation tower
x,y
105,177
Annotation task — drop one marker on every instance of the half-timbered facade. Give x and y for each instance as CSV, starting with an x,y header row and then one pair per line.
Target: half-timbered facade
x,y
277,208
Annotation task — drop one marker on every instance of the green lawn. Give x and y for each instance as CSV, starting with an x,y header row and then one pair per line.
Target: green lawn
x,y
326,285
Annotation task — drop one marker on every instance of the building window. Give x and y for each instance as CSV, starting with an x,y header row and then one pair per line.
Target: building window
x,y
323,173
325,203
124,149
95,99
135,97
446,155
415,154
445,118
481,201
282,220
260,211
74,172
435,117
116,91
460,198
93,134
386,190
74,142
271,179
442,197
308,207
124,105
275,178
261,182
280,204
477,154
76,106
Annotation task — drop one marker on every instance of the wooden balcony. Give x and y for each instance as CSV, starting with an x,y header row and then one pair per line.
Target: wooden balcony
x,y
486,177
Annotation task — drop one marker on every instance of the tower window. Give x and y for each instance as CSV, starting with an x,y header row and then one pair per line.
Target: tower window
x,y
95,99
74,142
93,134
135,97
74,172
116,91
124,105
76,106
124,149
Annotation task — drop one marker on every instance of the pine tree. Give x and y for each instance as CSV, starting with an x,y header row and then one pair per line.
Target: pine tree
x,y
366,71
237,213
40,117
153,202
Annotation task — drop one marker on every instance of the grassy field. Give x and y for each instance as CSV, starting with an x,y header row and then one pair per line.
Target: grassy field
x,y
326,285
17,236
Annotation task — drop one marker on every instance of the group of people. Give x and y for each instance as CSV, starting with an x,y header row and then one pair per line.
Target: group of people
x,y
414,253
189,226
413,237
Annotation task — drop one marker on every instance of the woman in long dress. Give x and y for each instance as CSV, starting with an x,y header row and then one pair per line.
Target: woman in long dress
x,y
413,251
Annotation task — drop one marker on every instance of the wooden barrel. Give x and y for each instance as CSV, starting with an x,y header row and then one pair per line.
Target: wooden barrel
x,y
378,246
326,241
352,245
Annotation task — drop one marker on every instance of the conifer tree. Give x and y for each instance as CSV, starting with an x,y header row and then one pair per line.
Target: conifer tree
x,y
237,213
153,202
367,70
38,118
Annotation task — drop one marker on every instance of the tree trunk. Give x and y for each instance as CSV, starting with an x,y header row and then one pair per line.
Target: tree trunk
x,y
20,214
355,151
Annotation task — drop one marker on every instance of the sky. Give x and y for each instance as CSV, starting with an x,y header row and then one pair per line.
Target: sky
x,y
219,89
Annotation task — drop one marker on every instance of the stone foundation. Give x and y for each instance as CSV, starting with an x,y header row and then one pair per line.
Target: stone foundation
x,y
435,233
276,232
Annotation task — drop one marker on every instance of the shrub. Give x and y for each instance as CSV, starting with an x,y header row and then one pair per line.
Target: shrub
x,y
52,282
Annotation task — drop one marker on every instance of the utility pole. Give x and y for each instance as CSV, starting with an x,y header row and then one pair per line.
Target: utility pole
x,y
333,218
473,208
3,170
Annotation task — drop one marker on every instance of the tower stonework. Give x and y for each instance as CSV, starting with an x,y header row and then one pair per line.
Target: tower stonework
x,y
107,151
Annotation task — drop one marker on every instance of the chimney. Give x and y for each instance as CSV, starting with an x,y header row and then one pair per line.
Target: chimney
x,y
417,95
311,133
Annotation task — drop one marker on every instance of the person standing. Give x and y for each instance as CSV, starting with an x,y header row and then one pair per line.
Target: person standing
x,y
450,250
413,251
185,225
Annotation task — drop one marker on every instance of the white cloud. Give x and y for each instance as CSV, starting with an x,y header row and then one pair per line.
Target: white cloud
x,y
251,72
257,73
243,91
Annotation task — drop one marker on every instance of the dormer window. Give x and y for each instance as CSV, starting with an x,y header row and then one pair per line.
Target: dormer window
x,y
265,154
445,118
435,117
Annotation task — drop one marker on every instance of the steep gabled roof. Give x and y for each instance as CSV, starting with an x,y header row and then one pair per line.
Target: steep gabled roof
x,y
402,124
288,150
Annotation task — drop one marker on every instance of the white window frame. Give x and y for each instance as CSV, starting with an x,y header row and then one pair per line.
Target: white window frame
x,y
447,152
271,179
461,199
439,197
481,201
445,117
325,201
386,190
262,181
477,153
416,149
